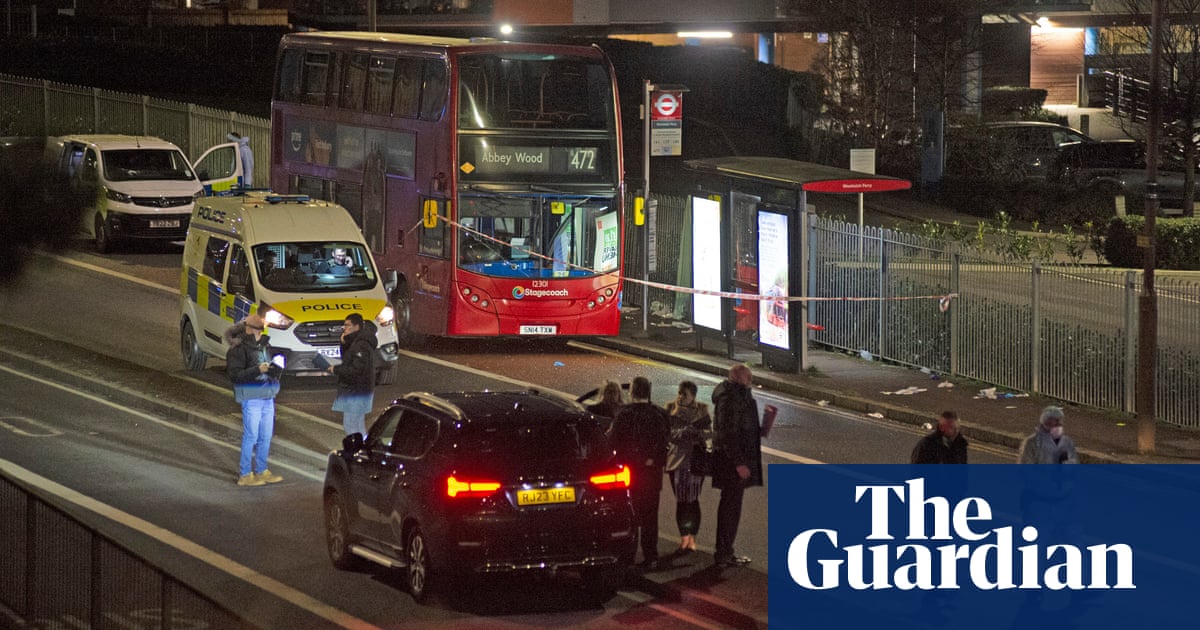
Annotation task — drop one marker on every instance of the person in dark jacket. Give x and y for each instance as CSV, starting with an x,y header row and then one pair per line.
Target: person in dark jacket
x,y
640,436
255,385
356,373
737,457
945,445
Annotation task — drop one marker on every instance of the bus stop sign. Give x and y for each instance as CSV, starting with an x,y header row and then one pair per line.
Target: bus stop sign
x,y
666,123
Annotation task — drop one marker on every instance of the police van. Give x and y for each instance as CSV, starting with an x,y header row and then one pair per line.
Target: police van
x,y
146,187
300,263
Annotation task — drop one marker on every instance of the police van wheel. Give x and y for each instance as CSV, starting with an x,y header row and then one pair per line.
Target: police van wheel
x,y
104,240
193,357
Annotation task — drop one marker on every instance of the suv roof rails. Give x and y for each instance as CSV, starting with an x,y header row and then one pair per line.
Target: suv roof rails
x,y
438,403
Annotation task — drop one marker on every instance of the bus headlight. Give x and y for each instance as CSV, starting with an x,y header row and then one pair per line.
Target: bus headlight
x,y
385,317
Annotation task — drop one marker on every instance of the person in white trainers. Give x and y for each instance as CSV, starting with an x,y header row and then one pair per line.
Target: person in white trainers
x,y
255,384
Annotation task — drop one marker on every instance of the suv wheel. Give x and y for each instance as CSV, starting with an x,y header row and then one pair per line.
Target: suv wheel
x,y
337,533
419,573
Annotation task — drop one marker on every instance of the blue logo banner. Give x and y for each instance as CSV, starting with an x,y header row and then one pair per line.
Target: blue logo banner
x,y
984,546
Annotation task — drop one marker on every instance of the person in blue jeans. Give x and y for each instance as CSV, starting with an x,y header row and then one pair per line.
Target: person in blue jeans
x,y
255,384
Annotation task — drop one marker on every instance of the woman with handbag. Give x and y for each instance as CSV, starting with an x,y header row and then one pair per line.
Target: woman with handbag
x,y
689,460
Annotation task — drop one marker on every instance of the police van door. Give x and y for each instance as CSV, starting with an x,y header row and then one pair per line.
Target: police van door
x,y
220,168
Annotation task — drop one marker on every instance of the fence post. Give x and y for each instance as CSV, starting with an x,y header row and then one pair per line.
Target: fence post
x,y
145,115
95,110
1131,325
880,346
46,107
955,283
1035,341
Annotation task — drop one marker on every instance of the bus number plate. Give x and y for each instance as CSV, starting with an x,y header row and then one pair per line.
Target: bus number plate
x,y
539,329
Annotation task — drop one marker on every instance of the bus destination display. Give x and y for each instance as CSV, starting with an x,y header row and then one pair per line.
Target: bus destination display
x,y
509,160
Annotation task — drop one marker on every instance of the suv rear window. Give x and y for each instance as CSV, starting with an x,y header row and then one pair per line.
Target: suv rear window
x,y
548,440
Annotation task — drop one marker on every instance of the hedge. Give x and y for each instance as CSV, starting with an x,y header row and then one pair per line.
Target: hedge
x,y
1177,244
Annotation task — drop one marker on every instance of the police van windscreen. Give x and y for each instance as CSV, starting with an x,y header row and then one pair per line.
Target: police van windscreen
x,y
123,165
315,266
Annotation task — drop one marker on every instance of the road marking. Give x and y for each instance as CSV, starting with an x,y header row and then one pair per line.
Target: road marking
x,y
159,421
11,423
195,550
110,272
644,599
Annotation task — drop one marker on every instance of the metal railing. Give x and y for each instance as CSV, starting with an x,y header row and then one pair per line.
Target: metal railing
x,y
34,107
1064,331
57,572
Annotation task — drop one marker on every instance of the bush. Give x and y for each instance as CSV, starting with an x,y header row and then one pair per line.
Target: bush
x,y
1177,244
1012,103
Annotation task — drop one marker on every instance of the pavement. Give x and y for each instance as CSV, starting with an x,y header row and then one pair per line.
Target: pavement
x,y
850,382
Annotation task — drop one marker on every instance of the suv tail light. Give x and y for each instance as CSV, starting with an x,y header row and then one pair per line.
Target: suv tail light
x,y
457,489
618,478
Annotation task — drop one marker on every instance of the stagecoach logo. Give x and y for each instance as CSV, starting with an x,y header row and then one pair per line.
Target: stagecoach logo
x,y
297,138
520,292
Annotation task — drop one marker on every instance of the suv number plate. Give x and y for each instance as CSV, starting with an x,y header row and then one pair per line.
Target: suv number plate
x,y
545,495
545,329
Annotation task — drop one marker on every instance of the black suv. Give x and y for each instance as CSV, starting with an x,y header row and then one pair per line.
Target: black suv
x,y
447,486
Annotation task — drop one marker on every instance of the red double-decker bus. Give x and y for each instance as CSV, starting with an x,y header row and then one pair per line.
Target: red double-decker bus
x,y
487,175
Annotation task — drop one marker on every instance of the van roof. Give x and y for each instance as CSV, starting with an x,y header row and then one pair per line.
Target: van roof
x,y
266,217
116,141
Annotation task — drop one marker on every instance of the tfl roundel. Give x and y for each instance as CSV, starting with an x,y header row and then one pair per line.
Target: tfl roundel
x,y
666,105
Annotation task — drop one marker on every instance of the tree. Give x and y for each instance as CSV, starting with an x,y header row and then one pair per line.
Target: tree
x,y
1126,50
888,62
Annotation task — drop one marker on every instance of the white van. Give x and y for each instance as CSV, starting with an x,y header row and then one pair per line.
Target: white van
x,y
301,264
146,186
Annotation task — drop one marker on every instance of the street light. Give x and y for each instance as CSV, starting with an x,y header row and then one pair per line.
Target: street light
x,y
1148,303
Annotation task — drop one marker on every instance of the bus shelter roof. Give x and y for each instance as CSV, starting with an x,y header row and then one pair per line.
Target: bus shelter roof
x,y
795,174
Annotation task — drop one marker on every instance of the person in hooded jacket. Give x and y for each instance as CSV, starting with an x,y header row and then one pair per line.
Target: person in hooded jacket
x,y
255,385
1048,444
737,457
356,373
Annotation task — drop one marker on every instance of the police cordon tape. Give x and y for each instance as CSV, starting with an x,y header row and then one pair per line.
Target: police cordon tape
x,y
943,300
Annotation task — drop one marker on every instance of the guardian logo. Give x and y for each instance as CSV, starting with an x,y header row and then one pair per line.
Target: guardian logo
x,y
945,543
982,546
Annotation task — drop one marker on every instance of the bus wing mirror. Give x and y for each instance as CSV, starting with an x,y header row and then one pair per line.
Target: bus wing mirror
x,y
390,281
429,213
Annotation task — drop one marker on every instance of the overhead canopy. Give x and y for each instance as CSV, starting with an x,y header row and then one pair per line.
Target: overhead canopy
x,y
803,175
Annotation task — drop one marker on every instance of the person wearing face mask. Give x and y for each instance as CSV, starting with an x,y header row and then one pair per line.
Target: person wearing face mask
x,y
1048,444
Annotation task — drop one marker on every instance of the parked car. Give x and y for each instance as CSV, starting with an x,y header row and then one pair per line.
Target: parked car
x,y
449,486
1033,145
1117,167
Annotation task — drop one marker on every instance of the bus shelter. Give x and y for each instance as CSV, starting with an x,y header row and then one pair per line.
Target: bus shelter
x,y
749,237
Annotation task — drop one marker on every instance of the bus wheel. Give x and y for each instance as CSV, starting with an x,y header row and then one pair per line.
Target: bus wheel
x,y
402,305
193,357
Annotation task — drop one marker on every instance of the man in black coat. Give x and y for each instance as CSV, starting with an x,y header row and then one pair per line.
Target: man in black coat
x,y
945,445
737,457
640,435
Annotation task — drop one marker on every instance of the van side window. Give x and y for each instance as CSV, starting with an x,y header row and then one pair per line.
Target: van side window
x,y
215,255
218,164
239,275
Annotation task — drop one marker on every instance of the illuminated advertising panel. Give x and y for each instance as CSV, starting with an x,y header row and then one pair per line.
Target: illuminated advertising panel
x,y
773,279
706,261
